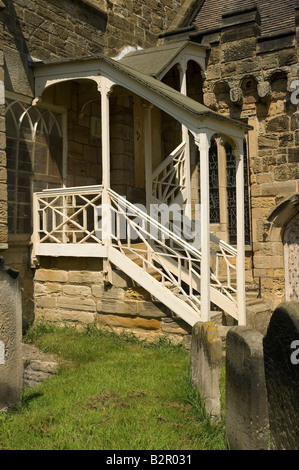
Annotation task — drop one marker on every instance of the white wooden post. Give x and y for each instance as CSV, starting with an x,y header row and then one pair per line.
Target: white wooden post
x,y
241,299
185,138
105,89
148,153
65,149
202,140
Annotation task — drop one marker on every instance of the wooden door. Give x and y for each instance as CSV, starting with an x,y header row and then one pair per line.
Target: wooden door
x,y
291,253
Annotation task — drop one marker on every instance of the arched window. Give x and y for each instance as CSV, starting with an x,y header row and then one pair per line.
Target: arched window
x,y
213,182
231,196
34,159
222,181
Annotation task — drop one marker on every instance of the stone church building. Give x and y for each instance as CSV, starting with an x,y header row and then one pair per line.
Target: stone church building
x,y
113,110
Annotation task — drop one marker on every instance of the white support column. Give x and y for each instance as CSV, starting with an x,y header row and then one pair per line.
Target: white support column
x,y
148,155
185,138
202,140
241,299
105,89
65,149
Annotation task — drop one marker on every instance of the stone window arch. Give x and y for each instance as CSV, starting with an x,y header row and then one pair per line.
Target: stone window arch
x,y
34,148
222,171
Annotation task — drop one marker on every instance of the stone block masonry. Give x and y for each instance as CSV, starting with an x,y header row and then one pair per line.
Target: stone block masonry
x,y
3,171
38,366
248,77
72,291
51,30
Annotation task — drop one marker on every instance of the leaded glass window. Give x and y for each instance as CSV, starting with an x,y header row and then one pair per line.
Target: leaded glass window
x,y
214,183
231,196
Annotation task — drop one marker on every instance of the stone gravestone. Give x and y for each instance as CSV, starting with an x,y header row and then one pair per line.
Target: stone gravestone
x,y
281,356
206,357
11,361
246,413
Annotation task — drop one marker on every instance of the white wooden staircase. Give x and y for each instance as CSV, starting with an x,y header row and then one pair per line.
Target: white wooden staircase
x,y
98,222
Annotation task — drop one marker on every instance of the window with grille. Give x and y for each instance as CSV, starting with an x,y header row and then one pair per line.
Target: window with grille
x,y
34,159
230,217
231,196
214,183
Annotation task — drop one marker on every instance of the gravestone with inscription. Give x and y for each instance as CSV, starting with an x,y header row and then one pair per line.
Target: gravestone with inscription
x,y
281,357
11,361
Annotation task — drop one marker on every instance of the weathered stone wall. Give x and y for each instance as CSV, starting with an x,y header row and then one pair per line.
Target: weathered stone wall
x,y
51,30
3,173
72,290
137,23
249,78
122,166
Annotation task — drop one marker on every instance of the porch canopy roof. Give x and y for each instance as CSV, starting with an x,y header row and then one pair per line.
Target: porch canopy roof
x,y
195,116
157,60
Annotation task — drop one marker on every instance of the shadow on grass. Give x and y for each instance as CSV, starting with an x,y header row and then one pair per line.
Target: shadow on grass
x,y
29,396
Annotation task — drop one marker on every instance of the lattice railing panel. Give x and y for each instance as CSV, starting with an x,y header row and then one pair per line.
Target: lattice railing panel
x,y
67,216
169,178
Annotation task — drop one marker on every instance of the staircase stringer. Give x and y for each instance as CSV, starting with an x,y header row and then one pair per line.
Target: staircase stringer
x,y
153,286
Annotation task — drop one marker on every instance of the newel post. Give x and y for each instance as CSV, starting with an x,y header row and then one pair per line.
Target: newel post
x,y
241,299
202,140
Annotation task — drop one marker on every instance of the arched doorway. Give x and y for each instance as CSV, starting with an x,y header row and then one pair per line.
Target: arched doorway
x,y
291,254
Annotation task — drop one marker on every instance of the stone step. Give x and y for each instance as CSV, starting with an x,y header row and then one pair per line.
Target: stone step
x,y
38,366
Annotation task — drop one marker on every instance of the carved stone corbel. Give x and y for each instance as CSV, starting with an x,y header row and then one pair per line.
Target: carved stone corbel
x,y
263,89
236,94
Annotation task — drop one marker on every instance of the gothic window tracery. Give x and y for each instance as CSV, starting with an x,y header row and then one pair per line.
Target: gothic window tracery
x,y
34,159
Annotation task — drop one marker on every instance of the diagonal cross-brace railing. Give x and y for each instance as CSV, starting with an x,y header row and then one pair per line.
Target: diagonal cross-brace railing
x,y
66,215
169,178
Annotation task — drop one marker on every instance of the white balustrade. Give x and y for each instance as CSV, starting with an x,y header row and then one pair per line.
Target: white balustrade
x,y
74,217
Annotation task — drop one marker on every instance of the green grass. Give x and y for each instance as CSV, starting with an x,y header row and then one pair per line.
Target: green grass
x,y
112,393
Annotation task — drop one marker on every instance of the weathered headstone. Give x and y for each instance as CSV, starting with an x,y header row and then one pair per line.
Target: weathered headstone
x,y
246,411
11,361
206,357
281,356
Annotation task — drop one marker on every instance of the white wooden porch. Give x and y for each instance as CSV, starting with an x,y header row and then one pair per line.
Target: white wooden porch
x,y
89,221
